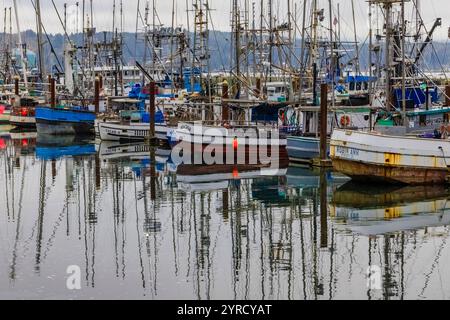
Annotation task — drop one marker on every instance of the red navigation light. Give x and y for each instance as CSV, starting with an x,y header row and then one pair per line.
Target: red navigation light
x,y
235,144
2,109
235,173
2,144
23,112
24,143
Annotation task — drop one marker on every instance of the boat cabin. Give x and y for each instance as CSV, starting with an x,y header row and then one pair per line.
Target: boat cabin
x,y
277,91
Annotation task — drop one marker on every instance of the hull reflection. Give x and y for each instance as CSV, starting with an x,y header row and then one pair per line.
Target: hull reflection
x,y
371,211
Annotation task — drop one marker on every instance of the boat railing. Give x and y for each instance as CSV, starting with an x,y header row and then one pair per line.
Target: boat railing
x,y
238,124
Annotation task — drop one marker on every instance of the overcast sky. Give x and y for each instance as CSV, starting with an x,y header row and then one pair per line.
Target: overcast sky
x,y
103,9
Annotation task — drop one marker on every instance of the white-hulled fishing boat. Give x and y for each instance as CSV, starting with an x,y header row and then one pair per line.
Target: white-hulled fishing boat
x,y
371,156
229,134
129,131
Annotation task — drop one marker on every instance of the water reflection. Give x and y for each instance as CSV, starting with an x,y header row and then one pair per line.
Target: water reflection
x,y
141,227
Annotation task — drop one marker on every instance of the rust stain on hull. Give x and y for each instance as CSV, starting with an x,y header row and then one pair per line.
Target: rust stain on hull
x,y
392,174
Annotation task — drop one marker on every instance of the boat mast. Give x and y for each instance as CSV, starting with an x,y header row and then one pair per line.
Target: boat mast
x,y
332,60
314,53
270,39
237,35
22,47
40,42
302,53
370,51
388,58
403,35
357,68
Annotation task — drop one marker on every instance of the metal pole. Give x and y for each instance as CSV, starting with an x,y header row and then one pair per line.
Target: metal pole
x,y
403,65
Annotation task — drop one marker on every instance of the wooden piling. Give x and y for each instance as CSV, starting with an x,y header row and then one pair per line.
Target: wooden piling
x,y
97,95
447,95
16,86
152,110
323,160
258,86
52,92
225,109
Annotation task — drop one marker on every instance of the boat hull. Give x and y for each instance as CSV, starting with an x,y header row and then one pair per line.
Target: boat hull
x,y
199,134
219,154
393,159
67,128
64,122
111,131
23,122
363,172
303,148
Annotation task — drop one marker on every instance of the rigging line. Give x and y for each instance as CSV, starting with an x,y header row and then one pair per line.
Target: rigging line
x,y
432,46
48,39
217,42
68,38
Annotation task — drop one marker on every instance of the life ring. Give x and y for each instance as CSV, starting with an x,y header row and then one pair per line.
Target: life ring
x,y
345,121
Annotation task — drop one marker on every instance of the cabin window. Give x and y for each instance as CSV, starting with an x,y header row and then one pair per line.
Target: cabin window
x,y
423,120
358,86
446,117
352,86
366,86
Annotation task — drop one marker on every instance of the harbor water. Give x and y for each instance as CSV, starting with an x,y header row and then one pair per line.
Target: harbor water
x,y
136,226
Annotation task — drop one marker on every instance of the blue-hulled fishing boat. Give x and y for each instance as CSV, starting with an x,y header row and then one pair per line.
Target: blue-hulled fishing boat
x,y
65,120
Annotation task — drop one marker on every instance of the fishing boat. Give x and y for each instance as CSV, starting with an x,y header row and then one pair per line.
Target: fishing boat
x,y
133,126
65,120
410,146
23,113
128,119
372,156
229,144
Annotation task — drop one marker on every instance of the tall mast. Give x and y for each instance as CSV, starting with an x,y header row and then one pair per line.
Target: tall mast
x,y
237,45
388,59
314,53
332,60
370,49
22,47
403,35
302,53
39,40
357,69
270,38
171,48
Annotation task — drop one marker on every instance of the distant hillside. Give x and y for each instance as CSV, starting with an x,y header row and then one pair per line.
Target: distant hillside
x,y
435,57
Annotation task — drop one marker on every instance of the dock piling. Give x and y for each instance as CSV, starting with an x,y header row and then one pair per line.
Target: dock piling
x,y
16,86
152,93
225,95
323,160
97,95
52,92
